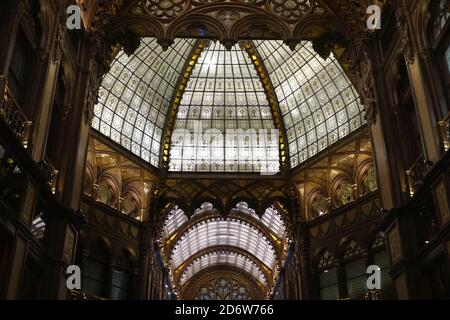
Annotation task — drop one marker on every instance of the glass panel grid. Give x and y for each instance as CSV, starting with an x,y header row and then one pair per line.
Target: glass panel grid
x,y
175,219
273,221
224,93
223,258
318,103
134,97
223,232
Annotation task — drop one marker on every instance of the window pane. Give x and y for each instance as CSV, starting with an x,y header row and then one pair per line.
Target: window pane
x,y
355,273
94,273
119,290
381,259
328,282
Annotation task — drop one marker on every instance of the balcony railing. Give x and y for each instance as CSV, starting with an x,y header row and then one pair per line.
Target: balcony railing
x,y
13,115
50,173
444,128
417,173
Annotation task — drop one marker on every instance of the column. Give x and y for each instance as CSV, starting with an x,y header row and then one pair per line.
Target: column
x,y
145,261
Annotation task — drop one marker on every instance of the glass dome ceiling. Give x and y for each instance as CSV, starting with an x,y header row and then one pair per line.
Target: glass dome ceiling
x,y
135,96
318,104
224,93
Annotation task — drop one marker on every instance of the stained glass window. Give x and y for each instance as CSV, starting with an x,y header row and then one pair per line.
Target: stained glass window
x,y
318,103
224,94
223,289
223,258
135,95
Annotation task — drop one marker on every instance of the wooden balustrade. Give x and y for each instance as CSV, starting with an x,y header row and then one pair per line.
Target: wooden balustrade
x,y
13,115
51,174
417,173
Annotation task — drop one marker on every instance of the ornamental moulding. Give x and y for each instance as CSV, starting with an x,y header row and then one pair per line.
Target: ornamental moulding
x,y
228,21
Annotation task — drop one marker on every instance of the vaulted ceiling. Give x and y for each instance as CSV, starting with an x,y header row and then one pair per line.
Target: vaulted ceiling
x,y
242,240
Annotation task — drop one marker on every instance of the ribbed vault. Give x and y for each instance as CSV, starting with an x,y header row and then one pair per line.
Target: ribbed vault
x,y
221,257
224,232
275,232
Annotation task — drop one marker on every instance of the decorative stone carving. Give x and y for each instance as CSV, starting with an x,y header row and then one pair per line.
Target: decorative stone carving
x,y
370,181
351,249
292,9
57,51
228,17
326,259
105,11
344,193
130,42
228,21
91,95
407,45
320,205
328,43
165,9
379,241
